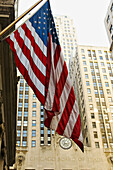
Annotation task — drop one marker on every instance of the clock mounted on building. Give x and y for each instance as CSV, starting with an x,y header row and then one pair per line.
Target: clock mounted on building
x,y
65,143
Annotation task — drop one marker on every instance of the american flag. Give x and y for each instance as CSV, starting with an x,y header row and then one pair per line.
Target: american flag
x,y
39,58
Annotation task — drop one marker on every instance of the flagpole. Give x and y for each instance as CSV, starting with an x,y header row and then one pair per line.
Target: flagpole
x,y
19,18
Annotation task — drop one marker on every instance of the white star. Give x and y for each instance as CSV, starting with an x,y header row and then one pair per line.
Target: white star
x,y
38,27
39,17
43,33
35,21
44,18
39,22
44,23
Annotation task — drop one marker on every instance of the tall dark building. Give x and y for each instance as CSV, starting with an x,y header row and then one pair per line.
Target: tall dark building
x,y
8,91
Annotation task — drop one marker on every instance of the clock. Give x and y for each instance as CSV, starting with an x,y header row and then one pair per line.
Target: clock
x,y
65,143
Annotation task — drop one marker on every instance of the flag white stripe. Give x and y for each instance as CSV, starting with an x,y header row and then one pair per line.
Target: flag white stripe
x,y
63,99
35,58
59,67
38,40
26,64
71,122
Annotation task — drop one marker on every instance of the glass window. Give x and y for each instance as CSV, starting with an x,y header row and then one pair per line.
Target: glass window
x,y
24,133
85,69
34,113
96,91
34,96
103,70
88,90
101,91
25,123
84,62
25,114
34,104
19,123
95,134
18,133
94,124
20,96
20,105
106,84
101,58
33,133
24,143
105,145
26,96
33,122
102,63
90,98
87,83
33,143
19,113
86,76
26,105
105,77
83,56
82,50
108,91
91,106
97,144
100,84
94,84
18,143
92,116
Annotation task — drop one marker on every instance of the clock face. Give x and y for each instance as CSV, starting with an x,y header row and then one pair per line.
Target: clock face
x,y
65,143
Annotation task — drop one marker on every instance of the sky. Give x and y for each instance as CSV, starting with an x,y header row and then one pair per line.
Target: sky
x,y
88,17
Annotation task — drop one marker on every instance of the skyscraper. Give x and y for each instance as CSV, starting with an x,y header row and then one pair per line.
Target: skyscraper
x,y
109,24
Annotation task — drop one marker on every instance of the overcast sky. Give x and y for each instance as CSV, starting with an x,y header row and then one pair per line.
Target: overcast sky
x,y
88,16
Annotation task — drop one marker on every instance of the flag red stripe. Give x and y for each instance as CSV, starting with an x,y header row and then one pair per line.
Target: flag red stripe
x,y
57,55
25,72
26,52
66,114
37,50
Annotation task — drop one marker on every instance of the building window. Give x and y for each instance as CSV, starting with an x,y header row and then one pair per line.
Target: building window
x,y
86,76
89,98
34,96
96,91
84,62
91,106
105,145
108,91
34,104
97,144
88,91
34,113
25,123
87,83
95,134
85,69
33,122
103,70
25,114
106,84
19,123
94,124
26,105
101,58
18,133
92,116
82,50
101,91
24,143
33,143
24,133
18,143
33,133
20,105
105,77
102,63
20,113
